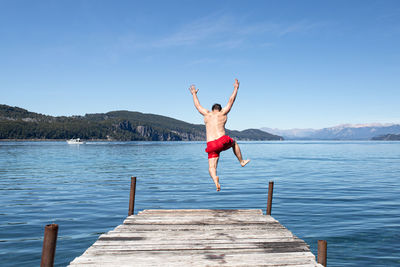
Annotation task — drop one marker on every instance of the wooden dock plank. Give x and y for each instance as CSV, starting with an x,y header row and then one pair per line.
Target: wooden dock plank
x,y
196,221
217,258
139,237
192,212
290,245
161,241
183,228
198,238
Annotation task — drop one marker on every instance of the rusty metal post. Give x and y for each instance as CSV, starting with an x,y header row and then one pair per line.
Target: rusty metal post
x,y
322,252
49,245
132,197
269,203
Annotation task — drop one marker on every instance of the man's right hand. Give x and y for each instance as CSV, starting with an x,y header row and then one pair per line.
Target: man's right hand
x,y
193,90
236,84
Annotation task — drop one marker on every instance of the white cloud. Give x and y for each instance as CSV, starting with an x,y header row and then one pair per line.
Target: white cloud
x,y
202,61
216,30
196,31
225,31
297,27
232,43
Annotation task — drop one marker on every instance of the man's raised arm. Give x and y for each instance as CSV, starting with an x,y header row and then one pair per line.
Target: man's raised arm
x,y
228,107
202,110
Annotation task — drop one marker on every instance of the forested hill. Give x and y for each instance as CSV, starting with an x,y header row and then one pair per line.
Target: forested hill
x,y
18,123
387,137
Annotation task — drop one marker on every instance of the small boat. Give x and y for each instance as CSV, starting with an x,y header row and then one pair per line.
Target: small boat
x,y
75,141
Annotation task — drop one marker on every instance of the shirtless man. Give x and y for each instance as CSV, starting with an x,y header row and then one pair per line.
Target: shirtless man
x,y
217,141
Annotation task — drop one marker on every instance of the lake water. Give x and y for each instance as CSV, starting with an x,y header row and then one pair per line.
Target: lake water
x,y
347,193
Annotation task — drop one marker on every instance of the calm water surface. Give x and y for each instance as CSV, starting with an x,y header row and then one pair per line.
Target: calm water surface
x,y
344,192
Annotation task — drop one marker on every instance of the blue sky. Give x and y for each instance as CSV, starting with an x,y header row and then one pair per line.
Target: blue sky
x,y
301,64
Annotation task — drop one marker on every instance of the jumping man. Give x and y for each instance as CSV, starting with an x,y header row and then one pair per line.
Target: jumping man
x,y
217,141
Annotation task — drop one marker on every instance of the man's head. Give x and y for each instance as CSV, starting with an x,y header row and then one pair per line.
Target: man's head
x,y
216,107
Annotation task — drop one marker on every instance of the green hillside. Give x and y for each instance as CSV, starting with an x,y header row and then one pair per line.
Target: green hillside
x,y
387,137
18,123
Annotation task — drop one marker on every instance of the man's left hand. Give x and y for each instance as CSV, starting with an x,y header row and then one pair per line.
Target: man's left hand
x,y
193,90
236,84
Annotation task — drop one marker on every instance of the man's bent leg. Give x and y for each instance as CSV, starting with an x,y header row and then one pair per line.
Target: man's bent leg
x,y
238,154
212,168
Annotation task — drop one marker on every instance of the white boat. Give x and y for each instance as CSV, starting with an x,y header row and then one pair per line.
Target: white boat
x,y
75,141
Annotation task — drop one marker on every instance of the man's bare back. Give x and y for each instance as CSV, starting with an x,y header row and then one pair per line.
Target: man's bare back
x,y
215,125
217,141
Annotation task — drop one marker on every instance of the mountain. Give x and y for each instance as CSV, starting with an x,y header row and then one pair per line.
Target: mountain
x,y
18,123
253,134
290,133
340,132
387,137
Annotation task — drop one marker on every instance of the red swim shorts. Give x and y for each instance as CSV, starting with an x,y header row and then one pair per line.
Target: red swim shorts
x,y
215,147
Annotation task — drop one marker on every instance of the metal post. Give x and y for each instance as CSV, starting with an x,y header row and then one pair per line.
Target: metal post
x,y
132,196
269,203
49,245
322,252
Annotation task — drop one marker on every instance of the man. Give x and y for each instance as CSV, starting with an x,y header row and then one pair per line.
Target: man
x,y
217,141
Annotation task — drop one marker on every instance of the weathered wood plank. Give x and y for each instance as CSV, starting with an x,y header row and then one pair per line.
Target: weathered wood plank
x,y
205,258
134,240
198,220
188,227
202,211
182,236
197,235
272,247
192,222
167,219
199,227
217,258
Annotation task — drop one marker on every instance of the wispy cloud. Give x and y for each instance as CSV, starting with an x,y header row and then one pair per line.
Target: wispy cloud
x,y
297,27
216,30
202,61
196,31
228,32
230,43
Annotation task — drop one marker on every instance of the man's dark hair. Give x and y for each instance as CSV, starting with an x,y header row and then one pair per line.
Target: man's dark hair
x,y
217,107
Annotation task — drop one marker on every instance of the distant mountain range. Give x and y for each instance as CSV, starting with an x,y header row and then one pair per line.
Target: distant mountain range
x,y
341,132
18,123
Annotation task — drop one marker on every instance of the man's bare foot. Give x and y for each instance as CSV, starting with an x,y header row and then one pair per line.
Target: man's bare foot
x,y
217,185
244,162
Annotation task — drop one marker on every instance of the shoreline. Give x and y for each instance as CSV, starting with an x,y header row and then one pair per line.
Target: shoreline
x,y
53,140
108,140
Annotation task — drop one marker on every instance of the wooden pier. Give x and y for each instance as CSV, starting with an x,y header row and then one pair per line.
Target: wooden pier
x,y
199,237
